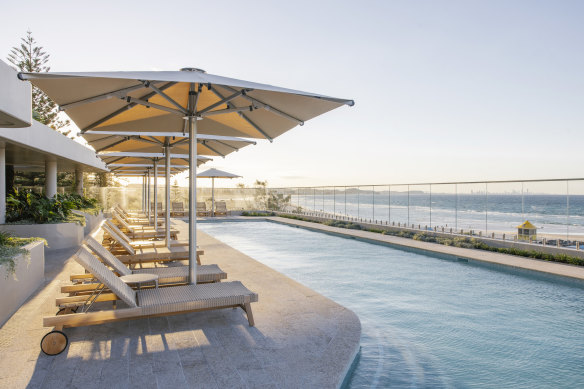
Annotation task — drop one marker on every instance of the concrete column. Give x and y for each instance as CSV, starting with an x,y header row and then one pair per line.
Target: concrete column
x,y
2,184
79,181
50,178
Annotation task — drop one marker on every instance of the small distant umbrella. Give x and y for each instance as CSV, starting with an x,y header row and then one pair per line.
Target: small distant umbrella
x,y
212,174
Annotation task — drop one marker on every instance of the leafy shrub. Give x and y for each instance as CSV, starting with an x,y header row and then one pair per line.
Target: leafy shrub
x,y
247,213
26,206
10,247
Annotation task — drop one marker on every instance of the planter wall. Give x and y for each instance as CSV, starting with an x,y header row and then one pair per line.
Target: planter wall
x,y
29,276
91,221
59,236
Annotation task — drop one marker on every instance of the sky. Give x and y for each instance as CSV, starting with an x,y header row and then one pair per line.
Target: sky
x,y
444,90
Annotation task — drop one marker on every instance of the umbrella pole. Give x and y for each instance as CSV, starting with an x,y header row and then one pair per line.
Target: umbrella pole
x,y
167,200
148,195
192,123
213,196
155,194
143,191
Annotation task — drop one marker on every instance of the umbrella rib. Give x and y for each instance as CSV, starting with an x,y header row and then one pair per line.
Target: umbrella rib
x,y
140,139
244,117
153,105
228,110
204,143
155,140
111,145
221,102
165,96
120,93
268,107
227,145
123,109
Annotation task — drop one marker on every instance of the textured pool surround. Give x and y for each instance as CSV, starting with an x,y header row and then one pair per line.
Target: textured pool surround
x,y
301,339
497,259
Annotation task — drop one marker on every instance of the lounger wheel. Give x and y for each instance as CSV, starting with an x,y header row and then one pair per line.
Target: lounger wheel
x,y
54,343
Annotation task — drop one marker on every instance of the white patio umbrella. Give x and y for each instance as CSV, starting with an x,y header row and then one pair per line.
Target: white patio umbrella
x,y
181,103
212,174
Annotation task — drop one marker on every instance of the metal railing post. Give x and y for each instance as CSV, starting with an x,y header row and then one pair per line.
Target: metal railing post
x,y
567,210
486,208
455,207
408,206
358,202
373,200
334,200
430,206
388,204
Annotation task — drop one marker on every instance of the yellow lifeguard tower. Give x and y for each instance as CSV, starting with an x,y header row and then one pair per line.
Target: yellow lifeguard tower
x,y
526,231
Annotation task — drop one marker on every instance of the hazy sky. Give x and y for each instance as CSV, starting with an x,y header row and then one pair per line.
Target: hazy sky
x,y
444,90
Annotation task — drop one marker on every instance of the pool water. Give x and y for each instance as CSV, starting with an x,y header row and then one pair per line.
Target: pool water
x,y
430,322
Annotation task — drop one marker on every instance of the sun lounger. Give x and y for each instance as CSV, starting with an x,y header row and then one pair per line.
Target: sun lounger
x,y
141,232
202,209
220,208
143,303
129,214
178,209
166,275
139,221
143,243
137,255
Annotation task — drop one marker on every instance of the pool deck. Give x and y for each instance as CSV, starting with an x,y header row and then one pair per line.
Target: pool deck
x,y
529,264
301,339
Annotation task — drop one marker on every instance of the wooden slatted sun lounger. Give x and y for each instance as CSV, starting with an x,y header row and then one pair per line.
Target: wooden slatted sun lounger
x,y
166,275
144,303
143,243
137,255
132,220
141,232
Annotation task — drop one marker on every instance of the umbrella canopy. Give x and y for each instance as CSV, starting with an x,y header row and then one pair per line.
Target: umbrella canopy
x,y
158,101
154,143
186,102
216,173
212,174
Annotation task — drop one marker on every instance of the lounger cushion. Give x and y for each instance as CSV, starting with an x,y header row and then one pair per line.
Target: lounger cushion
x,y
192,297
177,274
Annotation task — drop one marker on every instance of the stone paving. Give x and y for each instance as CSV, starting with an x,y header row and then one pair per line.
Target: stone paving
x,y
301,339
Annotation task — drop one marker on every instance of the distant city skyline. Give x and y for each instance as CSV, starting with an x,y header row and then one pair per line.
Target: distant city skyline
x,y
444,90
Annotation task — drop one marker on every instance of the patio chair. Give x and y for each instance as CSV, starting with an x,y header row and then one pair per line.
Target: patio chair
x,y
139,255
141,232
166,275
221,208
142,303
159,206
178,209
202,209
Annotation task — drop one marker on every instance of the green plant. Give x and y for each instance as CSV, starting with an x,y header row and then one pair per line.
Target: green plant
x,y
26,206
247,213
10,248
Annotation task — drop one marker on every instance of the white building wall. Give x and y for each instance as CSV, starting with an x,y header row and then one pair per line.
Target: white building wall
x,y
15,99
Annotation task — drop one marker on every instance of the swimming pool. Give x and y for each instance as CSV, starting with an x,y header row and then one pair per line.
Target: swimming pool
x,y
430,322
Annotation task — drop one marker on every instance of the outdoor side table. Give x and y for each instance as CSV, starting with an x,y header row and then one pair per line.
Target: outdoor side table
x,y
140,278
